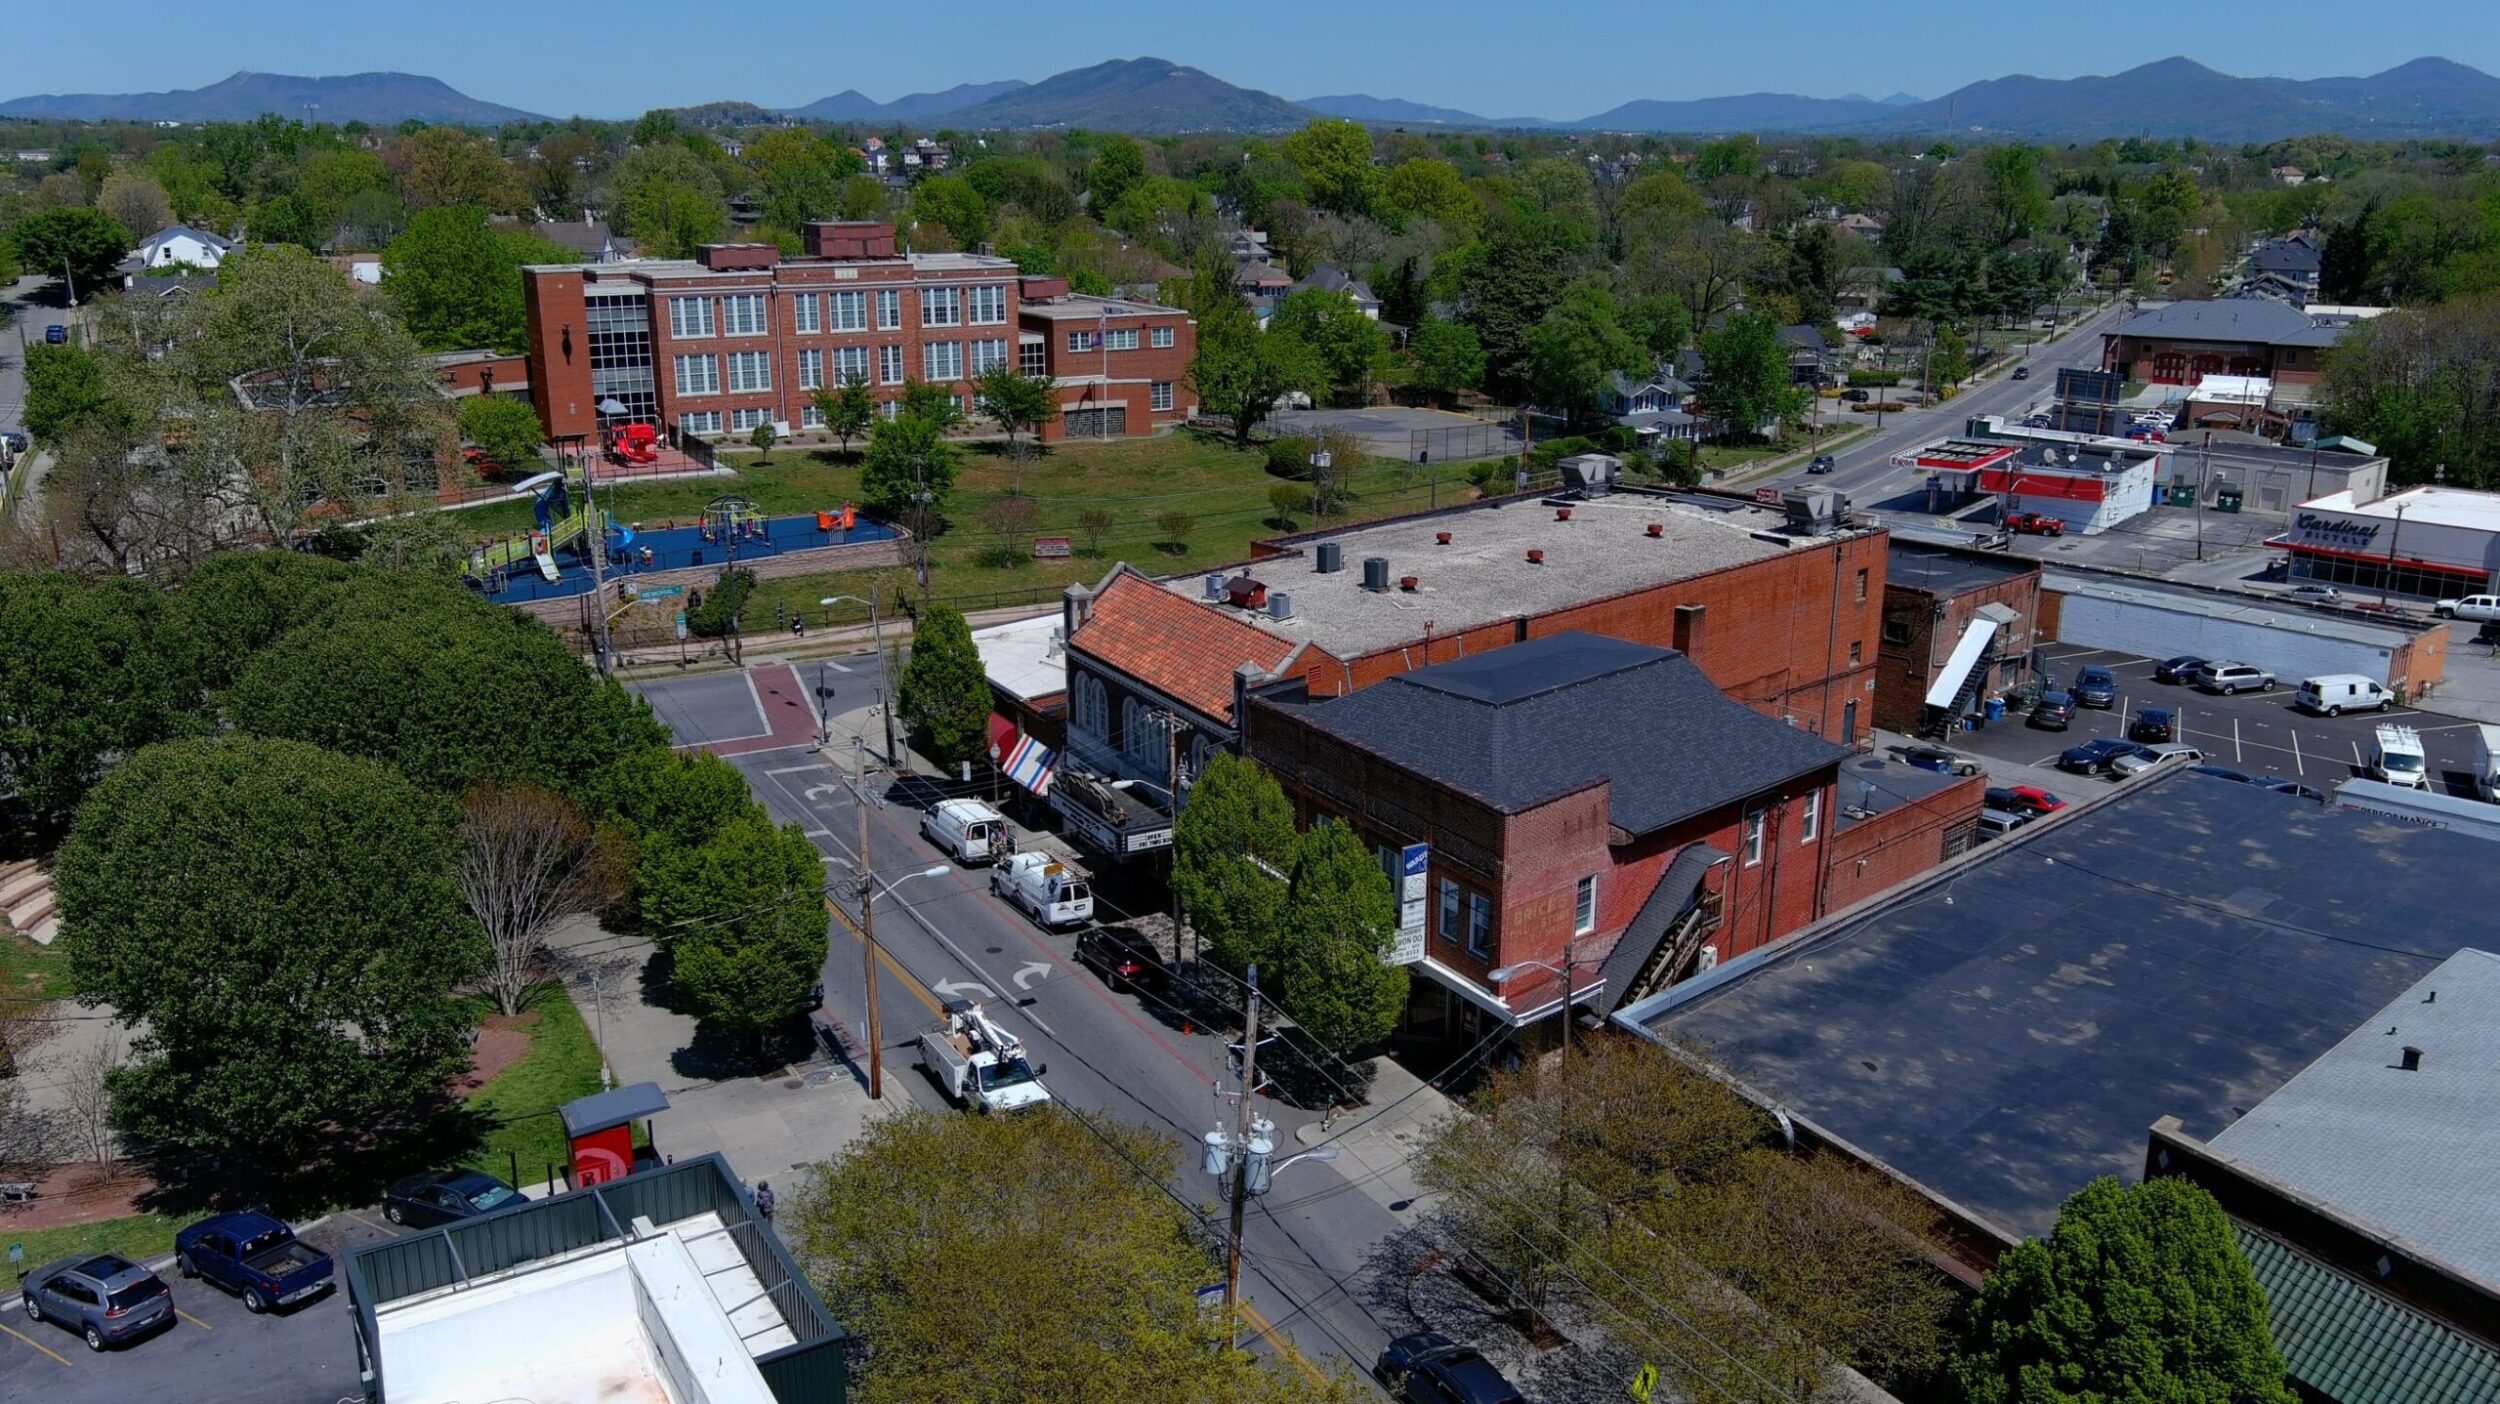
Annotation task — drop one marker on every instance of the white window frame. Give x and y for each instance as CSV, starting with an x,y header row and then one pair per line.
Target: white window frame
x,y
1753,828
685,327
1123,339
849,361
811,417
889,365
1159,396
890,409
941,361
1080,342
988,353
745,314
744,421
1584,906
941,307
706,377
699,422
1812,820
988,305
847,311
1161,338
811,369
889,309
1450,913
750,372
806,314
1032,358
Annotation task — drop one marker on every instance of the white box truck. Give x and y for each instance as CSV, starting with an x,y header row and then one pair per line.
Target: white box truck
x,y
2487,763
1045,889
979,1065
2427,808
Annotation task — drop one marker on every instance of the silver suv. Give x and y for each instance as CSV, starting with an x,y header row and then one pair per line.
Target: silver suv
x,y
2227,678
106,1298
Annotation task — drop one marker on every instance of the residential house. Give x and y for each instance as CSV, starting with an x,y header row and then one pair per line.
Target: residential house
x,y
1261,281
1652,406
1328,277
2291,175
1863,226
177,244
2285,269
588,237
1811,355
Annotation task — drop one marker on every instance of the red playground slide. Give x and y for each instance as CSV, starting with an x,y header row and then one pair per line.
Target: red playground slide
x,y
636,443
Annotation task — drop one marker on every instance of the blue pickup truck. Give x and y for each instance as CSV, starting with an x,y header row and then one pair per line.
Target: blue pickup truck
x,y
255,1257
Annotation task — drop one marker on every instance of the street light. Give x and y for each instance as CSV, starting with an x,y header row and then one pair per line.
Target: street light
x,y
1503,975
867,894
876,634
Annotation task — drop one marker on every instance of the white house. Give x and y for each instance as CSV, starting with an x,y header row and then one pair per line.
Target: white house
x,y
180,243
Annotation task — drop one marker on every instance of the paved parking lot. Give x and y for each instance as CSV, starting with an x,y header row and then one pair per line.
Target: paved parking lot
x,y
214,1353
2256,732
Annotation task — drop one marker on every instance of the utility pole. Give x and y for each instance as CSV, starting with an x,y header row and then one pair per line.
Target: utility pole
x,y
1172,787
868,920
597,535
2204,458
1241,1143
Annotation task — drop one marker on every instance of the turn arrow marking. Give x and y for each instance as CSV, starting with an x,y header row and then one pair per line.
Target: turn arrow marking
x,y
1033,970
956,989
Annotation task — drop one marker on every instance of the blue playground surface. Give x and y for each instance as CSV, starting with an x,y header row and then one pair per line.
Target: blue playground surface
x,y
652,549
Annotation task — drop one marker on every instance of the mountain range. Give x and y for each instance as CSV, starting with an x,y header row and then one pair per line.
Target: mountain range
x,y
381,99
2175,97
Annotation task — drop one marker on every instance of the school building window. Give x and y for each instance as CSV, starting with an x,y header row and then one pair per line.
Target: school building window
x,y
1160,338
889,309
1122,340
1159,396
698,375
889,365
700,422
940,307
805,313
942,360
689,316
989,305
811,369
750,370
850,311
742,314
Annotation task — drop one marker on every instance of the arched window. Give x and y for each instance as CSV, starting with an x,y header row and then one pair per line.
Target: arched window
x,y
1201,750
1093,708
1140,740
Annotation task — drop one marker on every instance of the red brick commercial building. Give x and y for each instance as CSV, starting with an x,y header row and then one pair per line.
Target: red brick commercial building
x,y
1958,627
1580,801
740,336
2184,342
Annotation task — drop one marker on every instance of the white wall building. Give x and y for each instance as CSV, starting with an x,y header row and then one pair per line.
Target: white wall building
x,y
180,243
2431,541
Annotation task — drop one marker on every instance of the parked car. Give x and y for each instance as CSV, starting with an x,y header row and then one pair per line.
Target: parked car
x,y
2314,594
2178,670
442,1196
15,441
1823,463
2055,711
2485,608
1121,957
55,334
2222,772
2035,421
1997,823
2155,758
2097,688
2023,799
1426,1368
2093,757
2034,524
255,1257
2147,435
1940,760
2021,373
2334,694
1856,397
2153,726
2229,678
2291,787
106,1298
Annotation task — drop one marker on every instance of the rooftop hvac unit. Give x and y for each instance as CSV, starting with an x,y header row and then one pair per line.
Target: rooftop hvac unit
x,y
1279,605
1592,473
1331,557
1816,511
1375,572
1215,585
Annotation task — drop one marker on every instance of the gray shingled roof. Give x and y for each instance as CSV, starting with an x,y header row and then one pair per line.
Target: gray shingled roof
x,y
2254,319
1523,725
2285,256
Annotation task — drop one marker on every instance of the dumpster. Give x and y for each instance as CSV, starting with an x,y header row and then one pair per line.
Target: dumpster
x,y
2182,495
2227,499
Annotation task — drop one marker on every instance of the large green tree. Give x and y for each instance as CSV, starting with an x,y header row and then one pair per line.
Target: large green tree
x,y
1428,189
950,203
1118,167
1232,853
909,466
1335,159
447,166
451,690
1448,358
2139,1295
506,431
945,694
1242,373
1352,349
1575,349
742,916
849,409
1329,961
279,925
1018,403
1748,385
89,672
1507,284
666,199
1052,1231
238,603
67,387
79,241
456,283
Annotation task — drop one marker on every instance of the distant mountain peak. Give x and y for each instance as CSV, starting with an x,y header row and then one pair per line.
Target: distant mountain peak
x,y
382,99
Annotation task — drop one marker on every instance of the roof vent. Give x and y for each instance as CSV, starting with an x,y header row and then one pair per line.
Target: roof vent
x,y
1440,538
1215,585
1279,605
1657,530
2412,1060
1375,572
1331,557
1536,557
1410,583
1562,514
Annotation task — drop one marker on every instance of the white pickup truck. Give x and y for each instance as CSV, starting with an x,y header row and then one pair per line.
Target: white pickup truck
x,y
979,1065
1045,889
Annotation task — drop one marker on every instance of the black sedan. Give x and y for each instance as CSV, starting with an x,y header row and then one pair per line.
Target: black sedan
x,y
2093,757
2096,688
2224,772
2181,669
2291,787
2055,711
441,1196
1425,1368
2154,726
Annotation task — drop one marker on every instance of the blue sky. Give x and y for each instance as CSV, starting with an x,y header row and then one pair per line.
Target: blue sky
x,y
1493,57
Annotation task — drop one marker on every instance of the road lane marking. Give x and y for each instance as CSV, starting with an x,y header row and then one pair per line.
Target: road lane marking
x,y
886,959
2297,767
40,1346
206,1327
368,1223
1265,1330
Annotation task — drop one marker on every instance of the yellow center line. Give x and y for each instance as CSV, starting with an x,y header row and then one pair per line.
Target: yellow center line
x,y
1284,1346
39,1346
910,981
193,1319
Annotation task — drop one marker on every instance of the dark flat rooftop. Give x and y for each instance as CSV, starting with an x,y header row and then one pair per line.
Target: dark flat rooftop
x,y
2009,1031
1941,571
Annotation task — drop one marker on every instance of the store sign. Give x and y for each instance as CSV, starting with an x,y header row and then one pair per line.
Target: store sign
x,y
2342,532
1414,862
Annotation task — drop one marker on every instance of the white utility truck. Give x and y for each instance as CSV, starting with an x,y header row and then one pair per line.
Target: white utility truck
x,y
980,1065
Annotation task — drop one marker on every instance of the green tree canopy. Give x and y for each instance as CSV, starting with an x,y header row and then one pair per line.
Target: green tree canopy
x,y
448,688
505,430
665,198
1351,348
1576,347
945,694
907,457
89,672
951,203
238,603
1020,404
850,409
1507,284
1119,166
742,915
1335,159
2139,1295
1052,1232
447,166
1425,188
1235,820
456,283
280,923
1748,385
67,389
1330,958
1243,373
1448,358
83,242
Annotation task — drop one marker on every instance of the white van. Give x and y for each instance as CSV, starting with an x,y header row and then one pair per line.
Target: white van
x,y
2487,763
2481,608
2338,693
966,830
2396,757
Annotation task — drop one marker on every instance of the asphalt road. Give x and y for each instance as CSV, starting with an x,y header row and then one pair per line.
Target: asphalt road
x,y
1111,1056
2252,732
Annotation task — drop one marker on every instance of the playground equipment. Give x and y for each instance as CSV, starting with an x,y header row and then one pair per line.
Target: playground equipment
x,y
544,554
732,519
847,518
557,520
635,443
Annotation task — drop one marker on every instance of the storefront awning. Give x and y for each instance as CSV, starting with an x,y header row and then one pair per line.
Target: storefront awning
x,y
1021,758
1956,669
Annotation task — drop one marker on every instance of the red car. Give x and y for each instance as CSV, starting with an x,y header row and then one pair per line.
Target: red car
x,y
2150,436
2034,524
2024,799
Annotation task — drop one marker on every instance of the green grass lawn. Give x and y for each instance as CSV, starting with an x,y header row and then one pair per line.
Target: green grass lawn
x,y
138,1237
29,971
562,1063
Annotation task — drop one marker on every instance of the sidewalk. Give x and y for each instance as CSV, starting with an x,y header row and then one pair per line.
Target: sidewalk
x,y
1376,1143
766,1126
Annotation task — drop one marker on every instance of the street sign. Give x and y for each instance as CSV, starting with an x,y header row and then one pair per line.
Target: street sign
x,y
681,626
659,592
1414,867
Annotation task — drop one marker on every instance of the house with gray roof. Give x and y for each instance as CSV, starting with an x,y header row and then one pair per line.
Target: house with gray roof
x,y
2183,342
176,246
1328,277
1652,406
590,239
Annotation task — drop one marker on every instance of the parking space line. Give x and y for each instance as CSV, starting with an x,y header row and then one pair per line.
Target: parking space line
x,y
2297,768
193,1319
368,1223
56,1355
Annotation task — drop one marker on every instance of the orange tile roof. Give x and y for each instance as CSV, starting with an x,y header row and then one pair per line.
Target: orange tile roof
x,y
1184,649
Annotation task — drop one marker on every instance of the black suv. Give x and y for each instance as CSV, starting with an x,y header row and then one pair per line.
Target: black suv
x,y
2154,726
2055,711
2096,688
1121,957
1425,1368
